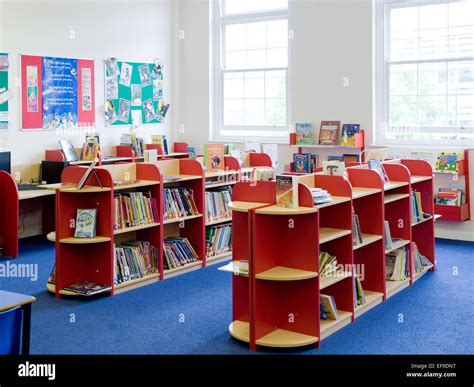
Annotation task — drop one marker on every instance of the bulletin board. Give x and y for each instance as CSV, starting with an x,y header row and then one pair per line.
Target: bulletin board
x,y
3,88
57,93
134,95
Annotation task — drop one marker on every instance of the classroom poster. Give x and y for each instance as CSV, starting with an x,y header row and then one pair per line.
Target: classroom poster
x,y
3,89
57,93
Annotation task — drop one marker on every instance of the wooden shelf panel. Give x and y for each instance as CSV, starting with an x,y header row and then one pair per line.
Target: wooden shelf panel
x,y
138,184
360,192
426,269
136,283
135,228
389,198
225,184
418,179
328,327
396,245
176,220
282,273
329,280
240,330
421,221
275,210
182,269
52,288
334,201
219,258
231,268
32,194
209,175
367,240
395,184
181,178
393,287
327,234
218,221
245,206
85,189
372,298
85,241
281,338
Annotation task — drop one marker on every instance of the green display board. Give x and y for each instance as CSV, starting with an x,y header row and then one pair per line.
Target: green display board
x,y
4,85
138,89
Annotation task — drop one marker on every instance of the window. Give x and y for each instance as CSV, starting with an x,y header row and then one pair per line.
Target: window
x,y
252,61
426,79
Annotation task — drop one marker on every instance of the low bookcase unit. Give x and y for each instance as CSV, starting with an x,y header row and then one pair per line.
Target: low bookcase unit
x,y
185,176
9,207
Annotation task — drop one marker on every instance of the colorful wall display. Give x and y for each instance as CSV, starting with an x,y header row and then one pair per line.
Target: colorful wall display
x,y
134,93
4,91
57,93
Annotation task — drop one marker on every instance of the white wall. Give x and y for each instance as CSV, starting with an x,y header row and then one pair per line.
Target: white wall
x,y
133,30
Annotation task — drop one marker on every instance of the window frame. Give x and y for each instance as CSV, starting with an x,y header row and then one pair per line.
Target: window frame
x,y
217,103
381,90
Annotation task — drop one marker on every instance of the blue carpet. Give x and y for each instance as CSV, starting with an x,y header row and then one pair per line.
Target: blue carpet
x,y
434,316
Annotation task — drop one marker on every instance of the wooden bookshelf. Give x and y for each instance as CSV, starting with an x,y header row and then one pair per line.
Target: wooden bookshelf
x,y
9,208
393,287
85,241
135,228
396,245
282,273
218,221
367,240
329,280
328,327
372,300
389,198
181,219
327,234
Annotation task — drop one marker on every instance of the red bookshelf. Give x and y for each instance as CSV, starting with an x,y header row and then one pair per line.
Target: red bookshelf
x,y
9,207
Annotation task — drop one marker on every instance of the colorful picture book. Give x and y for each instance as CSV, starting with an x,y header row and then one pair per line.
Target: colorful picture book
x,y
348,134
262,174
417,214
160,139
327,264
134,209
89,151
329,132
192,152
396,265
304,134
218,240
87,288
178,252
329,306
86,221
179,202
333,167
286,191
376,165
450,197
448,162
359,294
214,157
134,260
217,204
136,143
304,162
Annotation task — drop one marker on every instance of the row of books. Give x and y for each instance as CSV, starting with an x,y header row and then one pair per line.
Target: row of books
x,y
179,202
417,214
217,204
327,308
396,265
218,240
136,143
327,264
305,162
134,260
450,197
329,133
419,260
160,139
357,238
134,209
178,252
359,294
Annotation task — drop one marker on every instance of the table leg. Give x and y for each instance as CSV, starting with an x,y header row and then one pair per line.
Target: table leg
x,y
25,343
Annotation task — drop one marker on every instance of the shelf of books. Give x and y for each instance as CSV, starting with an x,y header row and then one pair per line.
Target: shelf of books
x,y
9,208
183,216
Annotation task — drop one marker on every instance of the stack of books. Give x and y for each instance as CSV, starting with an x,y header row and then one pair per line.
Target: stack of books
x,y
396,265
327,308
217,204
417,214
87,288
419,260
359,295
320,196
450,197
357,238
134,209
136,143
305,162
179,202
327,264
218,240
178,252
135,259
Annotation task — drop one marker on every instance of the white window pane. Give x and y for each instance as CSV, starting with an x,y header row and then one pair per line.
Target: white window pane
x,y
256,58
254,85
234,6
234,85
404,23
242,6
432,110
234,111
432,78
277,39
404,49
277,57
235,37
275,84
461,29
235,59
403,111
256,35
254,112
403,80
433,47
433,19
461,110
461,77
257,5
275,111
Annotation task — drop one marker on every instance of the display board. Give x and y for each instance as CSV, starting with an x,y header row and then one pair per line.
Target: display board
x,y
3,88
133,93
57,93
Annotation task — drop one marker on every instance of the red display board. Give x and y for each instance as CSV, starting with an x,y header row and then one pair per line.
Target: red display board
x,y
81,85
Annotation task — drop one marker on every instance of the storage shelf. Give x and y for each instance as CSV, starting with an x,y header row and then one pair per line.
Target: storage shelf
x,y
334,200
181,178
426,269
325,146
240,330
327,234
138,184
282,273
136,283
395,184
329,280
275,210
218,221
360,192
209,175
184,218
393,287
219,258
85,189
422,221
372,298
328,327
182,269
396,245
418,179
85,241
52,288
245,206
135,228
389,198
220,184
367,240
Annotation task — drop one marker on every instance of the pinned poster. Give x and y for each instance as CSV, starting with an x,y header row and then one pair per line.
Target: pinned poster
x,y
5,94
57,93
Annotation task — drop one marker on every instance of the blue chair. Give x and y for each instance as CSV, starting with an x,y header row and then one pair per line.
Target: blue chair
x,y
10,331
